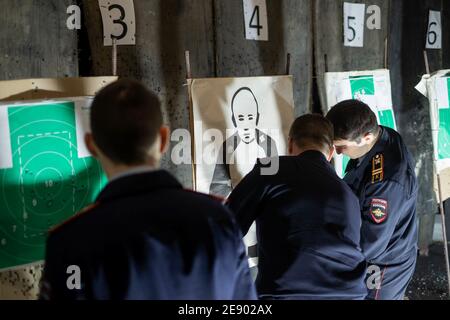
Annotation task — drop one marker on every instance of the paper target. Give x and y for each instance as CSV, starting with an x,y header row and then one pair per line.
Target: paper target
x,y
47,182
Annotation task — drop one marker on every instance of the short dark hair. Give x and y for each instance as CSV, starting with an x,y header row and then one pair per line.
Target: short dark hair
x,y
312,130
125,121
352,119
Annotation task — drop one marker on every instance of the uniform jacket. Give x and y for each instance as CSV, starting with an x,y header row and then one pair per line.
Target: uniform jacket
x,y
148,238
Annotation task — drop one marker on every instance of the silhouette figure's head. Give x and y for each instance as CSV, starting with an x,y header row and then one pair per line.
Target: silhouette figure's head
x,y
245,110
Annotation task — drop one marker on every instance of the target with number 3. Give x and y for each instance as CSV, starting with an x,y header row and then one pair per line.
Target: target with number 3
x,y
119,22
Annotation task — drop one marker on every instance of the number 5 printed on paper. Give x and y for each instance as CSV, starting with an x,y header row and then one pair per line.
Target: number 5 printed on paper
x,y
354,15
255,17
119,21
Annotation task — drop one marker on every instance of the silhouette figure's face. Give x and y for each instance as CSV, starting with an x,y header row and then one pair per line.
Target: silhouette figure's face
x,y
245,113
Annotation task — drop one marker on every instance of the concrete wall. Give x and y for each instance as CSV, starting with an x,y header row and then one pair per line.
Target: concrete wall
x,y
290,31
213,32
409,25
34,43
330,53
165,29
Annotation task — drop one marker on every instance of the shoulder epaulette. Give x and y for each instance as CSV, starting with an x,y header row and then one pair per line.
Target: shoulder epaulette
x,y
218,198
211,196
377,168
74,217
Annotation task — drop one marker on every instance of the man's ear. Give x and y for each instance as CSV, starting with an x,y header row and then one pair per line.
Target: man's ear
x,y
368,138
90,144
164,133
331,154
290,146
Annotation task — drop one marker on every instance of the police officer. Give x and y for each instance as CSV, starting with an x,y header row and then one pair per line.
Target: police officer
x,y
145,237
308,221
381,174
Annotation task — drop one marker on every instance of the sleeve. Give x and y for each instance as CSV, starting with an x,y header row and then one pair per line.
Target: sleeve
x,y
246,199
52,279
273,148
381,211
344,216
221,182
244,287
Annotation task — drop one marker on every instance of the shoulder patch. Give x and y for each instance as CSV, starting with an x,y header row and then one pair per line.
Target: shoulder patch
x,y
377,168
74,217
378,210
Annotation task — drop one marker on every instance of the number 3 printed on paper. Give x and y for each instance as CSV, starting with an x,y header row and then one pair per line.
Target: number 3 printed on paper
x,y
118,21
255,16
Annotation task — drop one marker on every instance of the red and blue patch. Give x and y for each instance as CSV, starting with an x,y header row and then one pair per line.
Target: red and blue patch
x,y
378,210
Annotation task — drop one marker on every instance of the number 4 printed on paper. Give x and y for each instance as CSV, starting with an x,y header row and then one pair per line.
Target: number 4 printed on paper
x,y
255,17
118,21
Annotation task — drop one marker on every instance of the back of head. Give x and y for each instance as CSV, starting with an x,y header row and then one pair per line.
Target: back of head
x,y
312,131
125,120
352,119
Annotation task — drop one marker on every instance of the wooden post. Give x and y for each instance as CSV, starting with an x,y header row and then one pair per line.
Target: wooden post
x,y
386,54
440,200
427,64
114,57
191,116
288,64
188,65
444,230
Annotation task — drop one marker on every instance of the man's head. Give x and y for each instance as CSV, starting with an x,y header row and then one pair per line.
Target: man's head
x,y
127,126
245,109
356,129
311,132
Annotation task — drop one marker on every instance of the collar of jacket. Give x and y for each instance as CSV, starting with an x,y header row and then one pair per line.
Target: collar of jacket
x,y
313,155
138,183
377,148
379,145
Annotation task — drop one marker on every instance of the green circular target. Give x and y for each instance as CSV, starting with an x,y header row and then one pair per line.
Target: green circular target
x,y
47,184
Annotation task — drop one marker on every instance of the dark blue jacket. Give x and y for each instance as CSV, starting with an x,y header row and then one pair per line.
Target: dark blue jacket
x,y
147,238
385,183
308,227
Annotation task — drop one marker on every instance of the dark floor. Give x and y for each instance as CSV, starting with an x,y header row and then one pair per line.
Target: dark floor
x,y
430,279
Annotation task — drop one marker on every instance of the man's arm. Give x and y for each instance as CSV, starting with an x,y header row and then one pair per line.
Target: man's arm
x,y
384,204
344,215
245,200
244,286
221,181
51,282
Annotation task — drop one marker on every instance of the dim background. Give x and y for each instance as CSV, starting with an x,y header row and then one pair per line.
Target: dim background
x,y
36,43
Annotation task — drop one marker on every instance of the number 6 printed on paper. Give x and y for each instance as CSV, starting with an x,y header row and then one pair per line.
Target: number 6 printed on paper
x,y
434,33
118,18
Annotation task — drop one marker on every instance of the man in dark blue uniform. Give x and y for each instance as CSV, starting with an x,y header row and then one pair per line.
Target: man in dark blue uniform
x,y
145,237
381,173
308,221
